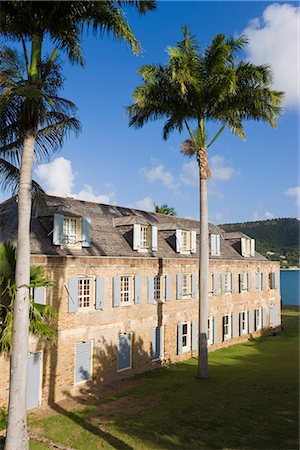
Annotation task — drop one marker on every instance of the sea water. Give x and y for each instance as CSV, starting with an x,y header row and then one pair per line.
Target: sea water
x,y
290,286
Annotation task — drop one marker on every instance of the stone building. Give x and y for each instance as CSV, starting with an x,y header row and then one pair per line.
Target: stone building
x,y
125,286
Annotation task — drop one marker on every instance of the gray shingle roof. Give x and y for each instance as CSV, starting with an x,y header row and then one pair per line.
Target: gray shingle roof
x,y
111,230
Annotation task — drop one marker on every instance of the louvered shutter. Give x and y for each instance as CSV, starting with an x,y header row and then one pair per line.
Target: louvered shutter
x,y
39,295
124,351
137,289
243,246
271,313
264,317
154,238
249,281
256,319
232,282
168,288
193,241
162,342
179,286
215,283
136,236
178,238
58,229
276,277
222,283
213,244
218,245
150,289
86,232
179,339
257,281
116,290
194,335
276,315
99,293
83,361
263,281
215,324
194,285
234,325
250,321
73,294
252,247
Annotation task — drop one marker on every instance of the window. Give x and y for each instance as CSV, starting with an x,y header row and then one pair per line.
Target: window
x,y
257,313
226,327
215,244
243,323
144,236
157,343
186,337
157,287
210,331
243,282
126,290
124,351
211,284
84,292
186,285
70,230
273,280
185,240
247,247
227,283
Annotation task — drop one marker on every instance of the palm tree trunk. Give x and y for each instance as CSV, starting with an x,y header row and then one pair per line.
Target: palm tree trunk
x,y
203,275
16,437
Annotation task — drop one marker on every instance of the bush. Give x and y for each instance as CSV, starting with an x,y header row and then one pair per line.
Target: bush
x,y
3,418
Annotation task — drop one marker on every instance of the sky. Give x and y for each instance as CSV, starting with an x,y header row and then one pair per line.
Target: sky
x,y
109,162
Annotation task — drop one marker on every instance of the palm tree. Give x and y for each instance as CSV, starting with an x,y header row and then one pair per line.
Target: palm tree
x,y
192,89
63,22
40,316
165,209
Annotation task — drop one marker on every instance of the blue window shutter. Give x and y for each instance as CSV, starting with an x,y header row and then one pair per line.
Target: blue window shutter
x,y
168,288
136,236
83,361
116,290
215,322
86,232
222,283
276,280
73,294
179,286
39,295
234,324
150,289
179,339
155,343
232,282
264,317
161,341
276,318
124,351
194,285
263,281
58,229
154,238
215,283
271,314
194,335
249,281
257,281
250,321
99,292
137,289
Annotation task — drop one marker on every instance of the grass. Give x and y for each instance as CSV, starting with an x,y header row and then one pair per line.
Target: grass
x,y
250,401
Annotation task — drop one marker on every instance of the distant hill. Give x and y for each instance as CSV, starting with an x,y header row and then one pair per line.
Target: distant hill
x,y
278,239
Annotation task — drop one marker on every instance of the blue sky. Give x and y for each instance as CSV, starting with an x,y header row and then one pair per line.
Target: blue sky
x,y
112,163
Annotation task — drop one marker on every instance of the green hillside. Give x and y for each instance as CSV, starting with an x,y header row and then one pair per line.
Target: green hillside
x,y
278,236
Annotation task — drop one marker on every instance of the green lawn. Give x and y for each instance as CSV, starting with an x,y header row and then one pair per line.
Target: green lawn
x,y
250,401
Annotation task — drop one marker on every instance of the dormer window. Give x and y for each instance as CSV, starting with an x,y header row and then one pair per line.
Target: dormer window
x,y
144,237
215,244
69,232
185,241
247,247
73,231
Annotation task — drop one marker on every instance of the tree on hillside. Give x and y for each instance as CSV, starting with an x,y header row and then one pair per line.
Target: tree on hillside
x,y
29,22
165,209
190,90
40,316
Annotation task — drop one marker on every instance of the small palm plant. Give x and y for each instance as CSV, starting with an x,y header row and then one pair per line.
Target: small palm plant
x,y
41,317
165,209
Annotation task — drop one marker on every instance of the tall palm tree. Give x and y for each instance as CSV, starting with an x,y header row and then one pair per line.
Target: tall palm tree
x,y
63,22
40,316
165,209
190,90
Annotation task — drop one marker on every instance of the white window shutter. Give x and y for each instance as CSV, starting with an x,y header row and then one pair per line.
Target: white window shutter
x,y
154,238
178,244
218,245
252,247
243,246
193,241
136,236
213,244
58,229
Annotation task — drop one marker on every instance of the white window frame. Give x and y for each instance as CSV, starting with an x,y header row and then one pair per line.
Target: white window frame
x,y
157,288
129,290
227,325
144,237
70,238
227,283
186,284
210,330
258,323
244,284
187,335
91,295
215,245
244,322
185,241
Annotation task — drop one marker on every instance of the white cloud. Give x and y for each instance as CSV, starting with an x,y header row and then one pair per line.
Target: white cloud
x,y
158,173
274,40
269,215
294,192
260,215
145,204
57,178
190,174
221,169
